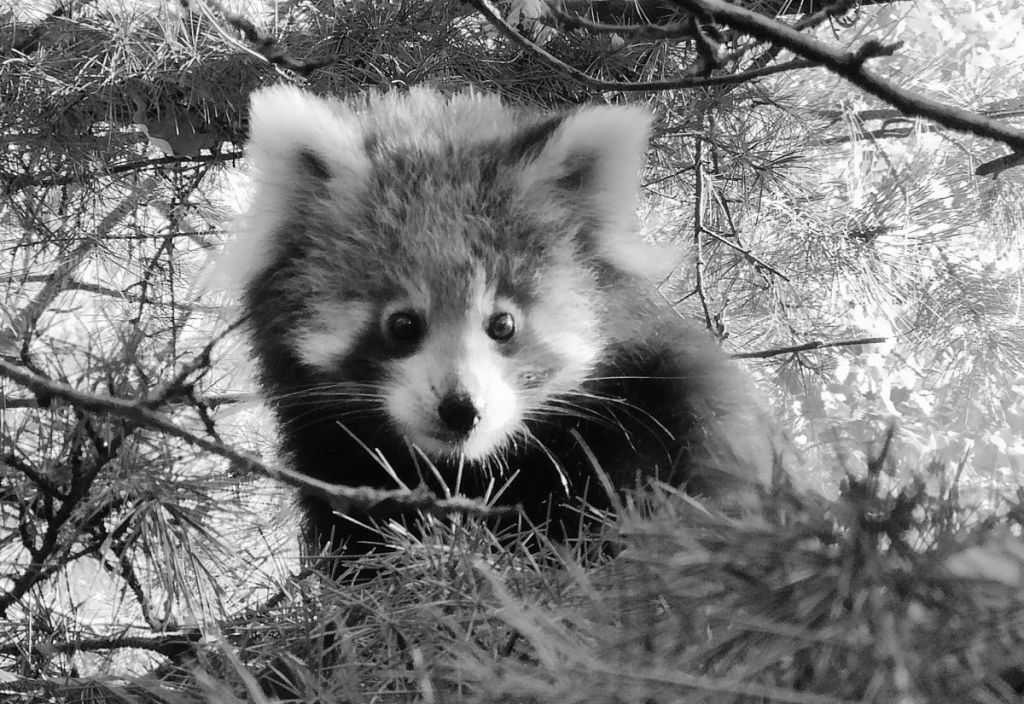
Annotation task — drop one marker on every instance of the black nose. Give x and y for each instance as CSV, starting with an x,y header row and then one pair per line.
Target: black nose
x,y
458,413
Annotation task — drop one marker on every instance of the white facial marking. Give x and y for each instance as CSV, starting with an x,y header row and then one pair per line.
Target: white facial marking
x,y
564,321
483,373
408,400
330,331
457,360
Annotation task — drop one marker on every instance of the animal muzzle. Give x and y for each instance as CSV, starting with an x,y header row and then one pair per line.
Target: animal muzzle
x,y
458,413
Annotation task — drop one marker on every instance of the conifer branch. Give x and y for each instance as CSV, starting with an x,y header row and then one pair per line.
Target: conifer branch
x,y
17,183
376,502
996,166
674,29
851,66
807,346
260,44
566,70
167,644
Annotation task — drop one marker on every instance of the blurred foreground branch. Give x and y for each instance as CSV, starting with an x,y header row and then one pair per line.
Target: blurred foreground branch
x,y
342,499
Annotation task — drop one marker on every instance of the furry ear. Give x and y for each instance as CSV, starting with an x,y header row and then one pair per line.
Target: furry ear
x,y
592,158
309,138
301,148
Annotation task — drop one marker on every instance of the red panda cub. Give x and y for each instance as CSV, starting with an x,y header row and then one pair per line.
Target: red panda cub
x,y
456,289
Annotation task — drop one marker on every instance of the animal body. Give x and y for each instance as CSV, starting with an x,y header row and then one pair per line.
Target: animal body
x,y
456,289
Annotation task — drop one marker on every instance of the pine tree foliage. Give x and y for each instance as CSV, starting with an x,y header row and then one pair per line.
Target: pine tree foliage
x,y
804,212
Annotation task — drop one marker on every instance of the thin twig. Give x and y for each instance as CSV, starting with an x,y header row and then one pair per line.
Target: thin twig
x,y
39,571
751,257
850,65
813,345
877,462
200,363
40,480
698,228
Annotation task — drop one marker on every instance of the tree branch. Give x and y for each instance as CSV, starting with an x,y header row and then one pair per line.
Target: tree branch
x,y
263,45
850,65
341,498
678,28
169,644
661,11
995,166
25,180
179,385
208,401
486,9
813,345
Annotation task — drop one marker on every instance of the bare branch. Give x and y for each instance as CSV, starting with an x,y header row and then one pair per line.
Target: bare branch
x,y
807,346
995,166
40,480
169,644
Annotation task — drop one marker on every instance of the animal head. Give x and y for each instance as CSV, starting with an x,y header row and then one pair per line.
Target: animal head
x,y
443,262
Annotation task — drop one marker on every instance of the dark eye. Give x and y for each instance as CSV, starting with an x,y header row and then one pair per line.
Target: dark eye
x,y
501,327
404,327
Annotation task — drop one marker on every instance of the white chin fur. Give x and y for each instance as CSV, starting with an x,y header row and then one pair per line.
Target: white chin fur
x,y
498,424
476,448
473,449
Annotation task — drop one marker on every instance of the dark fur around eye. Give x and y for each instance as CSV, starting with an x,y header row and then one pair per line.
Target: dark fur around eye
x,y
501,327
405,327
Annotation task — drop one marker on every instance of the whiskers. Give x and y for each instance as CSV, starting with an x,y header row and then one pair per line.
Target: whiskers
x,y
454,469
615,413
332,401
556,464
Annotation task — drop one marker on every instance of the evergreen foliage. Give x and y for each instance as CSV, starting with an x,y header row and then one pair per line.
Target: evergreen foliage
x,y
812,218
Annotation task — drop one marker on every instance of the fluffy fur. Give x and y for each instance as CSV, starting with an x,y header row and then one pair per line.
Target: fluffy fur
x,y
455,289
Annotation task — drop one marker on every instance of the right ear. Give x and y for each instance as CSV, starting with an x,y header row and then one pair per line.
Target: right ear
x,y
301,150
310,139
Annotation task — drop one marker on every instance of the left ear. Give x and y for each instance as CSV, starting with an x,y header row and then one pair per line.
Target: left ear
x,y
592,159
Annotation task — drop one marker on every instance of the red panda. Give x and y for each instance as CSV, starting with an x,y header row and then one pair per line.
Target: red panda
x,y
456,288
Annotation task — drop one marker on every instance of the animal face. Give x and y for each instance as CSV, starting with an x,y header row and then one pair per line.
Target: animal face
x,y
457,370
438,263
